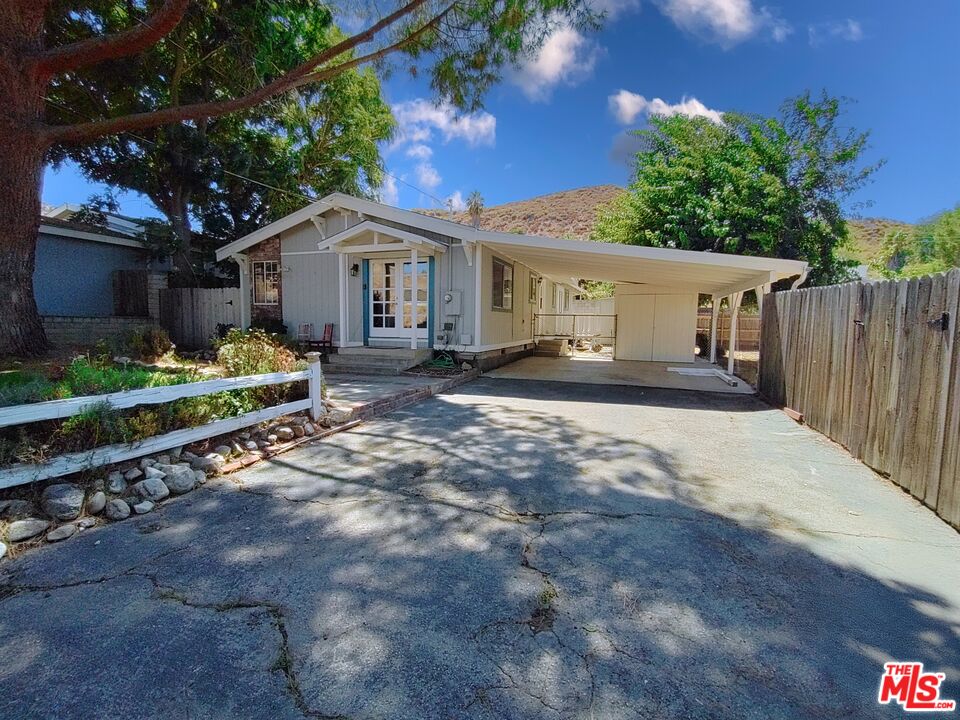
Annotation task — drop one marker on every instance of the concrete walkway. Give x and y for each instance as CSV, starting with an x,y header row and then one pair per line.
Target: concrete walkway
x,y
600,370
510,549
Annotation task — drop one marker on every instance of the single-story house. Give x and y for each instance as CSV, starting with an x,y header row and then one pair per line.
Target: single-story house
x,y
391,278
91,282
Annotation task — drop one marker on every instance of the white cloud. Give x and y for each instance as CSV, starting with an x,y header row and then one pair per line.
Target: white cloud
x,y
418,119
566,56
427,176
420,152
626,106
849,30
727,22
389,193
456,202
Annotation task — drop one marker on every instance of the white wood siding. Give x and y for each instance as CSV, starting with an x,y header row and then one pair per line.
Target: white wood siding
x,y
499,326
310,289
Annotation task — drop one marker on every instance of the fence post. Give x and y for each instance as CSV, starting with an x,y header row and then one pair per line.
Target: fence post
x,y
315,385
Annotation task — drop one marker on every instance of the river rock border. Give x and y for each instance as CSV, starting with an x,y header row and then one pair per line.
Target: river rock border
x,y
61,510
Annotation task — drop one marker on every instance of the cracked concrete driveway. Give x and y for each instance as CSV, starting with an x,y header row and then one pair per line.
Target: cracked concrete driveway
x,y
512,549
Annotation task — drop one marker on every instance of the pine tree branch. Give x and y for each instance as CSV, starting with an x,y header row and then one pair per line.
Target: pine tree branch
x,y
138,121
129,42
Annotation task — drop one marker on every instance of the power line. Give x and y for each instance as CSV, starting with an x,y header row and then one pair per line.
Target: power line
x,y
310,198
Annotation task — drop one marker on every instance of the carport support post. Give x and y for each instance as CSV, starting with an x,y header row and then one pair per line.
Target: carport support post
x,y
714,312
243,267
315,385
734,303
414,280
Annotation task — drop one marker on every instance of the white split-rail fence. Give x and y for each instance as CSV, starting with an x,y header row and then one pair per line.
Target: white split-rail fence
x,y
109,454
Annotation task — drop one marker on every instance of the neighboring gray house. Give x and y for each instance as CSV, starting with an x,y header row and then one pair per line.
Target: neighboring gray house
x,y
391,278
92,282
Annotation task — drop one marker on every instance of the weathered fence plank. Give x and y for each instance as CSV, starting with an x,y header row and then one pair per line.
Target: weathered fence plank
x,y
191,315
876,367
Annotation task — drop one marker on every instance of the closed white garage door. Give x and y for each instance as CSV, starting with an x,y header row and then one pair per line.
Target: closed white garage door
x,y
659,328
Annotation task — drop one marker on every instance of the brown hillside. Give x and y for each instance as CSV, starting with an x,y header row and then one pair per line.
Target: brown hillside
x,y
866,237
566,214
572,214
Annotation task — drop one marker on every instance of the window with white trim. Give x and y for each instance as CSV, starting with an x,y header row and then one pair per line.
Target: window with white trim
x,y
266,282
502,285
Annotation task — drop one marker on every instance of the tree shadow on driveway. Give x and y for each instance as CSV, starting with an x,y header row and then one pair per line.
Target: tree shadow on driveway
x,y
482,554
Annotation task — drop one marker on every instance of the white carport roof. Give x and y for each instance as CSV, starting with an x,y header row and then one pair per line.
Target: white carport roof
x,y
708,273
565,261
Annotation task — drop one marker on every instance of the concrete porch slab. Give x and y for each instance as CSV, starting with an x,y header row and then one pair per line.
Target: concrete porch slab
x,y
368,395
606,371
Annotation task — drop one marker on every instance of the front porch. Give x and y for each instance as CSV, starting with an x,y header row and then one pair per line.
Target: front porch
x,y
376,360
395,295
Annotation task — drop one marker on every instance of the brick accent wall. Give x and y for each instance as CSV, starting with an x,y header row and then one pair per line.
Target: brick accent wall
x,y
267,250
66,331
155,283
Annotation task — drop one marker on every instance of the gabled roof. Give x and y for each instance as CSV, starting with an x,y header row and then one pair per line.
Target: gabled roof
x,y
336,201
566,260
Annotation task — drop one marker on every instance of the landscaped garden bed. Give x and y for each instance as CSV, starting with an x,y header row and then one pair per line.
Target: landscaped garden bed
x,y
58,509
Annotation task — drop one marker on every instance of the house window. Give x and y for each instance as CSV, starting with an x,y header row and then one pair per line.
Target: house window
x,y
532,292
266,282
502,285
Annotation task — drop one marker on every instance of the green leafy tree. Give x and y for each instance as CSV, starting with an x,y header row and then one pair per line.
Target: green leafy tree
x,y
749,185
463,47
325,137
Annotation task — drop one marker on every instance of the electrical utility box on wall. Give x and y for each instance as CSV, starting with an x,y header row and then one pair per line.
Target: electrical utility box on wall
x,y
452,302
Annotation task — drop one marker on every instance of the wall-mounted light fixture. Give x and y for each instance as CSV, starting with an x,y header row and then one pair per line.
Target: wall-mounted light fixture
x,y
354,270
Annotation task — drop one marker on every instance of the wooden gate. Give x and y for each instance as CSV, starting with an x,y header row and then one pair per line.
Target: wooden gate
x,y
191,315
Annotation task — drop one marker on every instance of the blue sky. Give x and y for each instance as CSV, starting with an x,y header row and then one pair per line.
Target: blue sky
x,y
559,122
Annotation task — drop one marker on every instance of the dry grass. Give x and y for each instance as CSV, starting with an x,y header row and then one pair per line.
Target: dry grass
x,y
566,214
866,238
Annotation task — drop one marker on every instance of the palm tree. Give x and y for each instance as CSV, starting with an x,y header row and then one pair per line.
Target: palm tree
x,y
475,207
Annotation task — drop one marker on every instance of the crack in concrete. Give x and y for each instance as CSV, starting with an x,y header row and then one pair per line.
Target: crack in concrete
x,y
284,662
9,590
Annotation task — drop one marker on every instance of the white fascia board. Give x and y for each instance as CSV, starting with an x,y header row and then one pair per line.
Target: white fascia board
x,y
94,237
784,268
370,226
754,282
268,231
405,217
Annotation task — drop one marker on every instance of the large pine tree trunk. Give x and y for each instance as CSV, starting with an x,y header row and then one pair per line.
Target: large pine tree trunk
x,y
22,149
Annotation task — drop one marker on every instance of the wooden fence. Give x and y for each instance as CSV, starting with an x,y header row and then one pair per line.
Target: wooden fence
x,y
875,367
191,315
748,329
108,454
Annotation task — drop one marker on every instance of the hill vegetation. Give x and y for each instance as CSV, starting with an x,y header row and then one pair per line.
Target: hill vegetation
x,y
567,214
573,214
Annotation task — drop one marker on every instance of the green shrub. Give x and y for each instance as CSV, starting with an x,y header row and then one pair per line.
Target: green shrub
x,y
150,343
253,352
256,352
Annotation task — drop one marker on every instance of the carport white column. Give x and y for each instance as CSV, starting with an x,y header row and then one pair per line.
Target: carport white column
x,y
761,290
714,312
734,303
342,274
243,265
413,297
